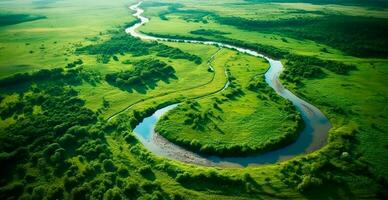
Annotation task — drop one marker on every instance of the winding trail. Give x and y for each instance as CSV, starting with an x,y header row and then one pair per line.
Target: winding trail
x,y
313,136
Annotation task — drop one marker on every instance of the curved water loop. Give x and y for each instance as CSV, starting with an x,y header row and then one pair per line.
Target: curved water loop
x,y
312,137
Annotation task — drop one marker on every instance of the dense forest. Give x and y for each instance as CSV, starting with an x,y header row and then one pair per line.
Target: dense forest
x,y
52,125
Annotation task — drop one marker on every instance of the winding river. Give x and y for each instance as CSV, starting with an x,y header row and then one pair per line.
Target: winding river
x,y
313,136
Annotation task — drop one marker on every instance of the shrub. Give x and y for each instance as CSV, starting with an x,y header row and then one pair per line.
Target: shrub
x,y
145,170
108,165
123,171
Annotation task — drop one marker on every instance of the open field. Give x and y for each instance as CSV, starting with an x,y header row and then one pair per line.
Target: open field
x,y
50,42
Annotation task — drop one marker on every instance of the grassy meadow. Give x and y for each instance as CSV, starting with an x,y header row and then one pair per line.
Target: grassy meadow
x,y
66,67
50,42
233,122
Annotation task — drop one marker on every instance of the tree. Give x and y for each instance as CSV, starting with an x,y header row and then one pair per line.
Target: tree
x,y
113,194
108,165
105,103
81,193
123,172
38,193
55,193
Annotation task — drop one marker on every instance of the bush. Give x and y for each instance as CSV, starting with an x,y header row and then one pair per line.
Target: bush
x,y
146,170
130,139
113,194
131,190
70,183
81,193
123,172
108,165
55,193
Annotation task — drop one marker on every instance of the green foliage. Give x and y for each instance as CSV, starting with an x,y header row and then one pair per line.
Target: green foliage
x,y
202,119
108,165
55,148
121,43
145,74
298,67
57,75
234,89
146,170
172,7
208,32
130,139
10,19
46,140
331,167
210,180
113,194
377,3
264,49
357,36
175,53
117,44
74,64
191,15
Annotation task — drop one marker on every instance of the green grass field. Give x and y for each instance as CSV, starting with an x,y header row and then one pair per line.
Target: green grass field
x,y
50,42
56,141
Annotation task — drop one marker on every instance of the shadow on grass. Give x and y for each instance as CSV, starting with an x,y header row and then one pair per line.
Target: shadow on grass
x,y
145,85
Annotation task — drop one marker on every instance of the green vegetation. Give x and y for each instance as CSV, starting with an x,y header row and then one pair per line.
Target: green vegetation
x,y
10,19
145,75
312,68
207,32
357,36
121,43
378,3
248,117
67,66
264,49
